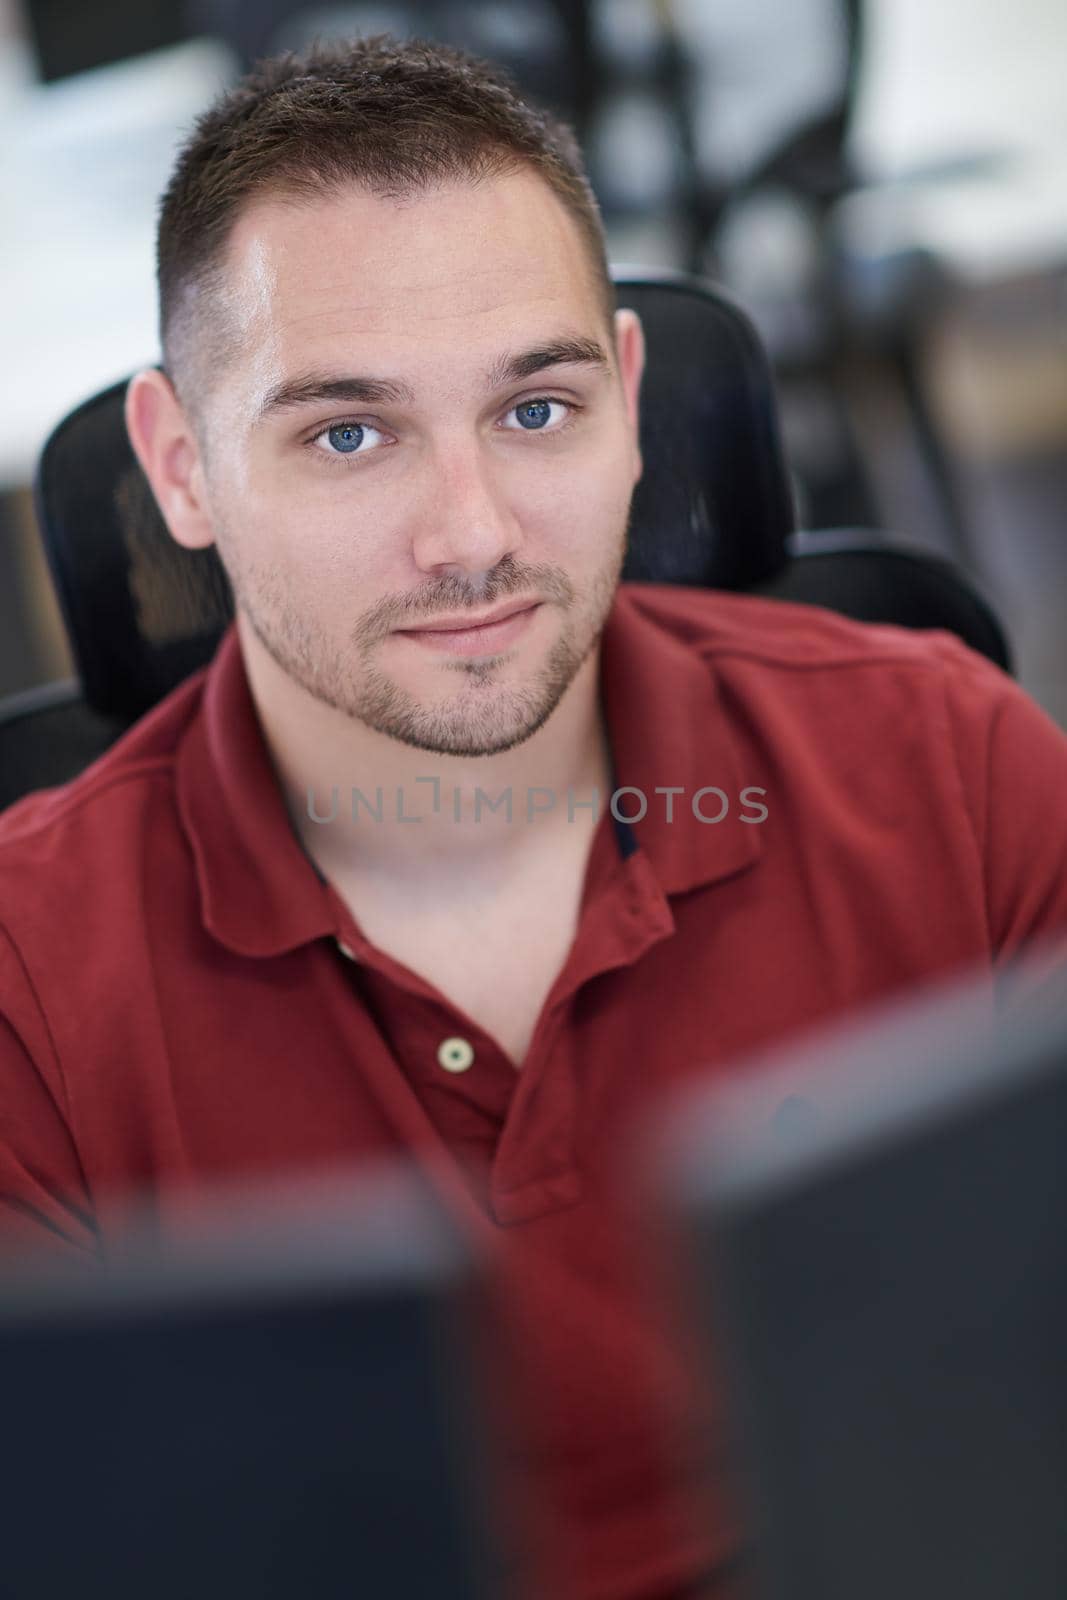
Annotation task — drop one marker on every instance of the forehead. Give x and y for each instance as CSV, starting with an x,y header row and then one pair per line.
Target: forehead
x,y
454,269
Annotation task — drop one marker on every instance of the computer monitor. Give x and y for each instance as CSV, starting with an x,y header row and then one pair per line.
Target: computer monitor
x,y
69,38
878,1227
280,1406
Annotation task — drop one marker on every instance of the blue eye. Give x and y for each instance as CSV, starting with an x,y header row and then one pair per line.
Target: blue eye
x,y
541,407
346,436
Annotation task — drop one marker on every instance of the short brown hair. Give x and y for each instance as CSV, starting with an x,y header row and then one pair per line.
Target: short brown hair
x,y
392,117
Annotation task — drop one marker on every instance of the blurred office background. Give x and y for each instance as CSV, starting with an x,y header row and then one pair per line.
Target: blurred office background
x,y
881,183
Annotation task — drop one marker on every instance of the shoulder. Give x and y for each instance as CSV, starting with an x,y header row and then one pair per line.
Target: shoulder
x,y
910,726
78,829
772,656
867,696
786,637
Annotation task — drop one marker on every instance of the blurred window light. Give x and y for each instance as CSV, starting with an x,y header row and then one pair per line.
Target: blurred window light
x,y
626,33
86,159
958,78
765,70
634,146
1011,219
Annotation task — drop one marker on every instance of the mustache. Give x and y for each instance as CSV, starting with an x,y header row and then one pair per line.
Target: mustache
x,y
457,599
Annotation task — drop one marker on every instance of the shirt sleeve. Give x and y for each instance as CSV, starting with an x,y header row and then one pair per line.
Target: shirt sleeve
x,y
1012,760
45,1207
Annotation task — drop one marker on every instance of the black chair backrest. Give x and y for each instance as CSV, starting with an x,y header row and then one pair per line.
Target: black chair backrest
x,y
713,508
873,578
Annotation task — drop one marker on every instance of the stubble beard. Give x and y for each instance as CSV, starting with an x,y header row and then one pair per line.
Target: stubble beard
x,y
484,716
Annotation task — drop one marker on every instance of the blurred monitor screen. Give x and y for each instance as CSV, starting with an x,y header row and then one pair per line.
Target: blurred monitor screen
x,y
246,1420
70,36
881,1231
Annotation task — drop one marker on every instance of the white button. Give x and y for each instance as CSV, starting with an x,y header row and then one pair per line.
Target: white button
x,y
455,1055
345,951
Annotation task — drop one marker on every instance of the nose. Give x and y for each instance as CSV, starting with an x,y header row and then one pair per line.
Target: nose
x,y
466,522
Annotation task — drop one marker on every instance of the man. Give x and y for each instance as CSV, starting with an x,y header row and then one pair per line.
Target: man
x,y
291,921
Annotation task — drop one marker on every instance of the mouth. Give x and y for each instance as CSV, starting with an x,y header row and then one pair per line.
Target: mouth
x,y
479,638
463,624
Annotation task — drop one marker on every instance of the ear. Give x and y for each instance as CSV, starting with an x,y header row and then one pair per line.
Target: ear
x,y
630,349
164,443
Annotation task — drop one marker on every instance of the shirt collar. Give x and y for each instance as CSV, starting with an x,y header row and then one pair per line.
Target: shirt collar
x,y
260,893
668,727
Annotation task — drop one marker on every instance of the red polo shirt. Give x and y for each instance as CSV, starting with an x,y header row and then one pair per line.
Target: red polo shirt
x,y
182,997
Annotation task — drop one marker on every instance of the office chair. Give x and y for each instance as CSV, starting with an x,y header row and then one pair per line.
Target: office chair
x,y
713,509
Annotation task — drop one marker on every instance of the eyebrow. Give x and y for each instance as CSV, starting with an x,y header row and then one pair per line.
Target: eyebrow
x,y
324,388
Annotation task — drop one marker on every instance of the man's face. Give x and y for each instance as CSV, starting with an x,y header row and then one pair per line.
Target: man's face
x,y
346,517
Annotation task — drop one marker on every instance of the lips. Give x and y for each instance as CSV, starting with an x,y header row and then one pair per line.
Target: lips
x,y
493,638
463,624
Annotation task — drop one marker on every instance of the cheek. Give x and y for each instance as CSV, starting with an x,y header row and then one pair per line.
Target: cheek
x,y
330,568
603,486
291,558
307,535
590,517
